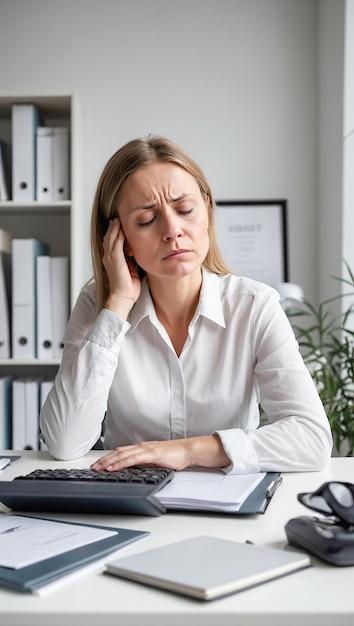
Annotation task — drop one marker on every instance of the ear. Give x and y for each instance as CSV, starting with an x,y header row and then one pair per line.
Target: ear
x,y
127,249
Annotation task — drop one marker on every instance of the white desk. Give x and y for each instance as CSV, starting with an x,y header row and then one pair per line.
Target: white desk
x,y
319,596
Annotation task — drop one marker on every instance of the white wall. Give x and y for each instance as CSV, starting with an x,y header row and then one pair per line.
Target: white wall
x,y
348,138
232,81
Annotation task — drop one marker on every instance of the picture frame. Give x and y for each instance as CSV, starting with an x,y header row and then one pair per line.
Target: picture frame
x,y
252,236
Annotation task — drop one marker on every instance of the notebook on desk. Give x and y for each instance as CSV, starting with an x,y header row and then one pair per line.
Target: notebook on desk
x,y
208,567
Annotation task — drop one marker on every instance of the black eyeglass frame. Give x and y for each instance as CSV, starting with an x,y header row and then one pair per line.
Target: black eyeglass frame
x,y
344,514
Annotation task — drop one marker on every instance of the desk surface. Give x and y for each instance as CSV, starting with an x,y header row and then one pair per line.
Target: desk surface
x,y
319,596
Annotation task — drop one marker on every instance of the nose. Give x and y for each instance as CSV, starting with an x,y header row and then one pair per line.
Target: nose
x,y
171,226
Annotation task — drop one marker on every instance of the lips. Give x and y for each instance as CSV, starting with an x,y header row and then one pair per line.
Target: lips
x,y
176,253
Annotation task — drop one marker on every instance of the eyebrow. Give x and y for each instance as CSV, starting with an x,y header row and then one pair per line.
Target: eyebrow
x,y
152,205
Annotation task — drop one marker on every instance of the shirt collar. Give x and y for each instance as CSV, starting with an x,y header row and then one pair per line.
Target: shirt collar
x,y
209,305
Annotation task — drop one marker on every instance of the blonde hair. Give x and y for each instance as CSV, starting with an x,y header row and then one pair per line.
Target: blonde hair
x,y
129,158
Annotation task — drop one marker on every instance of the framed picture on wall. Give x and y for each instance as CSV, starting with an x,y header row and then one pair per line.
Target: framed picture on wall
x,y
252,236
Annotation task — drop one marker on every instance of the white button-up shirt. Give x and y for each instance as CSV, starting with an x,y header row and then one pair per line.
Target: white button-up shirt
x,y
240,352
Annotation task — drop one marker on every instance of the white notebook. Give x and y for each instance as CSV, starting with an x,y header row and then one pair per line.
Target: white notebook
x,y
208,567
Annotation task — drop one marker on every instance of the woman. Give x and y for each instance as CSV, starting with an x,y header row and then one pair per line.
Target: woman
x,y
174,351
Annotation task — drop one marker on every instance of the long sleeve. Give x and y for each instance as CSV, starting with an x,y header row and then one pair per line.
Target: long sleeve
x,y
72,415
240,353
298,436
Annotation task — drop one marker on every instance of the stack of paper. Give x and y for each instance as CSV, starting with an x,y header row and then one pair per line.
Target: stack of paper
x,y
208,490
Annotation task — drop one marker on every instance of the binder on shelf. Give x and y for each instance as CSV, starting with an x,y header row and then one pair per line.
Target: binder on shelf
x,y
18,414
5,293
44,160
6,413
60,301
44,388
52,305
61,165
4,172
25,414
24,302
31,414
44,308
25,120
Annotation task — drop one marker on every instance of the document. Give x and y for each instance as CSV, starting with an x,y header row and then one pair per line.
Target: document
x,y
28,540
36,553
208,489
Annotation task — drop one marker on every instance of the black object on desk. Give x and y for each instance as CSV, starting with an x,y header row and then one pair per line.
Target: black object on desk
x,y
128,491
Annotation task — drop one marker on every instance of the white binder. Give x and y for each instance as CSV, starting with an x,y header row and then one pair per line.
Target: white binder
x,y
61,175
18,414
44,308
60,301
32,414
44,164
25,120
24,305
5,293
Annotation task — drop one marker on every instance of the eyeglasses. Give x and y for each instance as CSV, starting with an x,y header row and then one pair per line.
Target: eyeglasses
x,y
332,498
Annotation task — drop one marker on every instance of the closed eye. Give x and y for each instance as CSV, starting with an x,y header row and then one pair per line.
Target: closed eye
x,y
149,222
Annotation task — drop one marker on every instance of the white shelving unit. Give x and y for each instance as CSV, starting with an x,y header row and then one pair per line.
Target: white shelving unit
x,y
56,223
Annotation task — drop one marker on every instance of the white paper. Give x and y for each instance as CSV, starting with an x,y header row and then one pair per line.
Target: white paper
x,y
27,540
211,489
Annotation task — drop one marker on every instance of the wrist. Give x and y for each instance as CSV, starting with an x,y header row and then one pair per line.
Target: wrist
x,y
207,451
119,305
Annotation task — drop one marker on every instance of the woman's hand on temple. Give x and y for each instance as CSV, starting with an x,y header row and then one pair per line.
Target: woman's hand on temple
x,y
122,271
175,454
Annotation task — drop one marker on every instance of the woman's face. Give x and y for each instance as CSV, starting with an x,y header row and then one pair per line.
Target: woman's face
x,y
165,221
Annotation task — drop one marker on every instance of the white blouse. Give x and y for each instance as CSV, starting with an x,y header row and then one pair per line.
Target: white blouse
x,y
240,352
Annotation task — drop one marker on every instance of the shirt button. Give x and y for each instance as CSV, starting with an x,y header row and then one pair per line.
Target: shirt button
x,y
112,334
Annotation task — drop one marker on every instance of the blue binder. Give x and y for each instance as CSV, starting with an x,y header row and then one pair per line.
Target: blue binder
x,y
31,578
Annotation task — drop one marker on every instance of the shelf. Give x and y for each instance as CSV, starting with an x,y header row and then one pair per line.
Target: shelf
x,y
29,362
9,207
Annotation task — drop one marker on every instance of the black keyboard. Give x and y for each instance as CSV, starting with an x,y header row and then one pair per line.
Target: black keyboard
x,y
127,491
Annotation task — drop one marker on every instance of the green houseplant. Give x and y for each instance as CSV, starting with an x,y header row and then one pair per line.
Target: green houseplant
x,y
326,341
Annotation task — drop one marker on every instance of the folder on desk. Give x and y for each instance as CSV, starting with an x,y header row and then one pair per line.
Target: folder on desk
x,y
36,576
24,302
5,292
25,120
